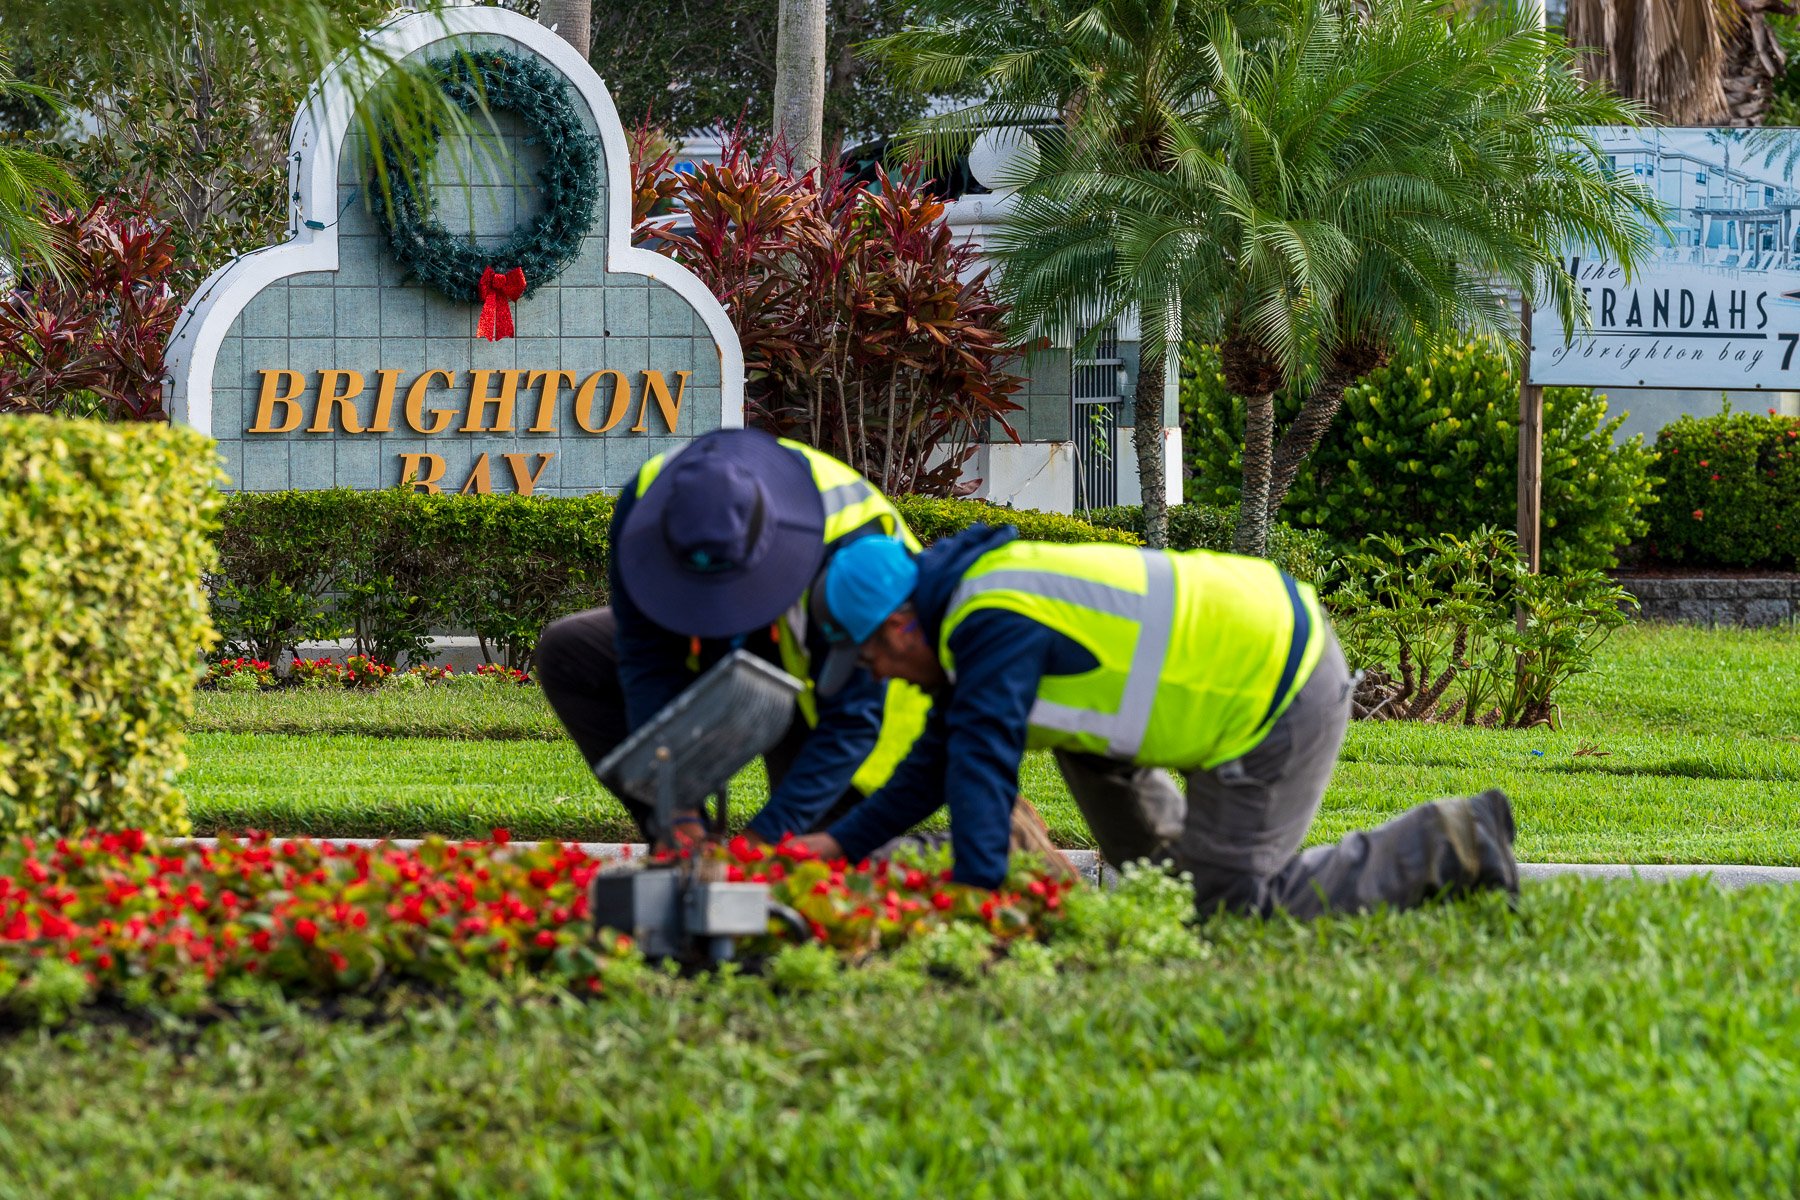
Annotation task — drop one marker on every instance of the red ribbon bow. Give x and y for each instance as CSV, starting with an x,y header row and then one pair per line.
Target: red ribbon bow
x,y
498,291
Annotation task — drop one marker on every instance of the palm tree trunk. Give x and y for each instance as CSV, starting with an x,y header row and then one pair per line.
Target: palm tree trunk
x,y
572,20
800,79
1259,451
1147,440
1302,436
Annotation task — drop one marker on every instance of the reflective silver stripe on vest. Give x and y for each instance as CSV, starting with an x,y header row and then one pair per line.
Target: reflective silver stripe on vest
x,y
844,495
1153,610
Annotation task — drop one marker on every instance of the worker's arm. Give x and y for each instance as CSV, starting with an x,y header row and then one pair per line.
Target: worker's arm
x,y
970,754
849,724
653,666
913,792
1000,657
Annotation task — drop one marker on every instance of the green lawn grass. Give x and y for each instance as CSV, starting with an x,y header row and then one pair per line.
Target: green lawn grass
x,y
1609,1040
1682,746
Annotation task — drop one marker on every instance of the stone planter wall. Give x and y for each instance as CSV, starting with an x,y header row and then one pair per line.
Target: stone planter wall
x,y
1749,602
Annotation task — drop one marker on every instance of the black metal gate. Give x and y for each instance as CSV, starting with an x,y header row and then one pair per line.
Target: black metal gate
x,y
1098,394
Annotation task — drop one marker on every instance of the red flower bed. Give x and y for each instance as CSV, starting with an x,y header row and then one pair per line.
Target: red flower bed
x,y
128,920
869,906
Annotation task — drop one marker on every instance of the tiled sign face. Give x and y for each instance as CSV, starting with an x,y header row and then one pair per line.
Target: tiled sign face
x,y
361,377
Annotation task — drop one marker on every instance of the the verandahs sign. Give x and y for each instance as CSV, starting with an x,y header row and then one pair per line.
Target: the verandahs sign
x,y
1717,303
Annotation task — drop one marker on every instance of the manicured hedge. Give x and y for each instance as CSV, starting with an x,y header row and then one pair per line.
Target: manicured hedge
x,y
103,540
1302,553
389,567
1731,493
933,518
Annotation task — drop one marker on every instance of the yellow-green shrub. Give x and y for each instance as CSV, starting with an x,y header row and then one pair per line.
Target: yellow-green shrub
x,y
104,533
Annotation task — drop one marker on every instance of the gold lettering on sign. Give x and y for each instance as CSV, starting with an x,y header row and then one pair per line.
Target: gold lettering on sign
x,y
331,400
384,401
409,471
415,406
437,401
479,400
655,385
524,483
549,385
584,401
479,483
268,398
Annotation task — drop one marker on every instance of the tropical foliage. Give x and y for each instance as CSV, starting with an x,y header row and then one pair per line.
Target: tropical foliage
x,y
1306,184
83,329
866,330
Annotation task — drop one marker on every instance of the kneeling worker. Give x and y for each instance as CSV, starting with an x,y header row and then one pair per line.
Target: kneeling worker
x,y
714,546
1126,662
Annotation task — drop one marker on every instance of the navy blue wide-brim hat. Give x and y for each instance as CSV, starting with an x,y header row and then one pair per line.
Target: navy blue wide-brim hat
x,y
726,538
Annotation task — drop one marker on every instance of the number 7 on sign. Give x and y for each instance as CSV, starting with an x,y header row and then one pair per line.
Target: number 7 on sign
x,y
1791,339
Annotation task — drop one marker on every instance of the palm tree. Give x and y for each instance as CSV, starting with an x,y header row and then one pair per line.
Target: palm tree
x,y
1693,62
571,19
1361,179
1102,82
1487,175
117,38
800,80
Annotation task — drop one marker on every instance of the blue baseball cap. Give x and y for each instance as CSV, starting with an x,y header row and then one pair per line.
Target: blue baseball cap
x,y
725,538
861,586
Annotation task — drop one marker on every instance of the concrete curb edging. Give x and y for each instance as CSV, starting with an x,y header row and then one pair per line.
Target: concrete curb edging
x,y
1095,870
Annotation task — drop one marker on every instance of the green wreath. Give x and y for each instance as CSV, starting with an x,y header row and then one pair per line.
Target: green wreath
x,y
569,180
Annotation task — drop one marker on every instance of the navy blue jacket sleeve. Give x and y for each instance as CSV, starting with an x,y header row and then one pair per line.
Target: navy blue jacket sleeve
x,y
653,666
913,792
1000,657
970,757
849,724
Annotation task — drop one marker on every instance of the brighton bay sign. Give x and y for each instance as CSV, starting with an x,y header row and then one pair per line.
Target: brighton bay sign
x,y
492,329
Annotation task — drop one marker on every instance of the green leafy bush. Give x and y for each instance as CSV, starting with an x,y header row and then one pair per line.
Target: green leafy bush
x,y
1429,445
390,567
103,540
1731,491
1455,629
1302,553
932,519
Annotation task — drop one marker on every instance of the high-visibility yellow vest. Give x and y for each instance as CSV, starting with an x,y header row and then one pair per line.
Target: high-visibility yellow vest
x,y
851,502
1197,652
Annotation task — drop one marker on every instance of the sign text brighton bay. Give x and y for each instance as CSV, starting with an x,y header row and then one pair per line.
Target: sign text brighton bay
x,y
438,401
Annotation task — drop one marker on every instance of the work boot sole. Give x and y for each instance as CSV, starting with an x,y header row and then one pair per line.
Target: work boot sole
x,y
1481,831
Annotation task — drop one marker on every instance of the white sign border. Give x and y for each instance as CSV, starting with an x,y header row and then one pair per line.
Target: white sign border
x,y
314,146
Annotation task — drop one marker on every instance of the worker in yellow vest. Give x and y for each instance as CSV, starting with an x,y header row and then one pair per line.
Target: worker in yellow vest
x,y
714,546
1128,664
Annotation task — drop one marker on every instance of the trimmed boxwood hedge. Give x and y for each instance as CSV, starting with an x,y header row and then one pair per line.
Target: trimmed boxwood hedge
x,y
1302,553
389,567
103,539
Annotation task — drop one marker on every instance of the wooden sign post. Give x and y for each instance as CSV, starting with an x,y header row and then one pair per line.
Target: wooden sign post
x,y
1531,453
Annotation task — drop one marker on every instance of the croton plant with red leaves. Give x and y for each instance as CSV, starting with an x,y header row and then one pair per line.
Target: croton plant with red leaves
x,y
129,921
89,337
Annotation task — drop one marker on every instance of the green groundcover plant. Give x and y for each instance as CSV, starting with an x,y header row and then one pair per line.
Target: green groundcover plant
x,y
1731,496
1456,629
1428,445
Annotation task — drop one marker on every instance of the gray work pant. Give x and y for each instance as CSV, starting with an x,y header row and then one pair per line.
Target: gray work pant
x,y
1238,828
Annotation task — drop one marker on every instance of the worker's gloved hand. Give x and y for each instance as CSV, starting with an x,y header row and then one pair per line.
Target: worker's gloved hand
x,y
687,831
821,844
